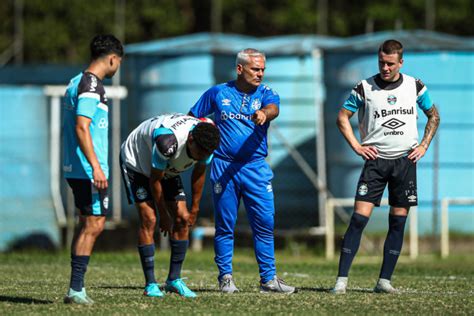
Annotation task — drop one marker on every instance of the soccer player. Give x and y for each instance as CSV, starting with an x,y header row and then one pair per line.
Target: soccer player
x,y
86,152
243,110
387,105
152,158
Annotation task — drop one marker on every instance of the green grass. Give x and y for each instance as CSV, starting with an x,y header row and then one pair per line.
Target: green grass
x,y
35,283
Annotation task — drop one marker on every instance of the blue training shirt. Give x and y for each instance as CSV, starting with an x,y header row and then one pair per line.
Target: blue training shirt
x,y
85,96
241,139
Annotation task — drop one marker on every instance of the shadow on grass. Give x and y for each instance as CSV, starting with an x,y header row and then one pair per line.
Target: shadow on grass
x,y
119,287
313,289
23,300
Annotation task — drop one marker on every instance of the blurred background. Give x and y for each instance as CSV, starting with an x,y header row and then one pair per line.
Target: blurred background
x,y
317,50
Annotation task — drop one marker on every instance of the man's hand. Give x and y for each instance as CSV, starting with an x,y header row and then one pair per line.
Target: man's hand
x,y
259,117
367,152
192,217
99,179
166,224
417,153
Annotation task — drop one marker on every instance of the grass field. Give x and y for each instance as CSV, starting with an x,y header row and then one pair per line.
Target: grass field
x,y
35,283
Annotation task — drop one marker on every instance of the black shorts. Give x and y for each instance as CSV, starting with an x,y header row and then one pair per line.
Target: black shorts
x,y
400,174
88,199
138,188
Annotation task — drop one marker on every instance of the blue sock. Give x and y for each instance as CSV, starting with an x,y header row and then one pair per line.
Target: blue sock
x,y
393,245
351,243
78,270
178,253
147,258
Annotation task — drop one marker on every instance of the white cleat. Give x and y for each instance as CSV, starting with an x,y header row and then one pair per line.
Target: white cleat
x,y
384,286
340,287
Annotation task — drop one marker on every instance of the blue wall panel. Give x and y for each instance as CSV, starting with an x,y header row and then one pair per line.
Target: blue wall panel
x,y
26,208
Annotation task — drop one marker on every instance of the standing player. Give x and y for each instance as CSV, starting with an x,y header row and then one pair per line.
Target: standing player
x,y
152,157
85,163
243,110
387,105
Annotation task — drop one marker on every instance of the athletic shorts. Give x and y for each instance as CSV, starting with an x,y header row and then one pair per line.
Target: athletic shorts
x,y
138,188
88,199
399,174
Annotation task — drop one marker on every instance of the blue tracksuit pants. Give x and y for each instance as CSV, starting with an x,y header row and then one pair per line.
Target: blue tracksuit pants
x,y
250,182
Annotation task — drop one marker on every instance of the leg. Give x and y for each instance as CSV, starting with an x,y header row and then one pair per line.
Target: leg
x,y
93,208
226,204
402,192
179,238
353,235
179,245
146,243
258,198
91,227
392,247
261,214
351,242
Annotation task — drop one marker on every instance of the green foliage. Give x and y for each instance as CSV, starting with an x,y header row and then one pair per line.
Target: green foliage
x,y
59,31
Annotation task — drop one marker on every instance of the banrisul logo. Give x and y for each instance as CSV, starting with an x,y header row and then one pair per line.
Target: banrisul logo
x,y
391,99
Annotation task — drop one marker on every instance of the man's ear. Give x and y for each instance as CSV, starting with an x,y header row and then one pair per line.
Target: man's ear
x,y
239,69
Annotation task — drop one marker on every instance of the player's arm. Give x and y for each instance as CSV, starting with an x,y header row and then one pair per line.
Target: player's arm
x,y
344,125
85,143
430,131
198,178
424,102
266,114
157,192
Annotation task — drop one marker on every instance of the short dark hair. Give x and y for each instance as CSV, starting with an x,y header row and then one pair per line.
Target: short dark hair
x,y
392,46
206,136
103,45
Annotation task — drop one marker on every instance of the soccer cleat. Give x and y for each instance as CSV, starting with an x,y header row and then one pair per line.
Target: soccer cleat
x,y
178,286
384,286
340,287
276,285
227,285
153,290
77,297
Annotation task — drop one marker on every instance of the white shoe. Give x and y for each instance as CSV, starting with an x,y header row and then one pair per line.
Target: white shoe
x,y
276,285
340,286
227,285
384,286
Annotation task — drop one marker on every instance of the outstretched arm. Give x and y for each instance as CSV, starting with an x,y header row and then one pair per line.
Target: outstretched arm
x,y
198,178
265,114
344,125
430,131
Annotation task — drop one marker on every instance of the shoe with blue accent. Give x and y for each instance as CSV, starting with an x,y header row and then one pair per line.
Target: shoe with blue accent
x,y
153,290
178,286
77,297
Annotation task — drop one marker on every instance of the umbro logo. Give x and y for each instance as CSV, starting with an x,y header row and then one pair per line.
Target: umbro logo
x,y
393,123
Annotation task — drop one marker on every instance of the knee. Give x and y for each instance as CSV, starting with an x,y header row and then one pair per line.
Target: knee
x,y
95,228
359,221
397,223
148,222
181,222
